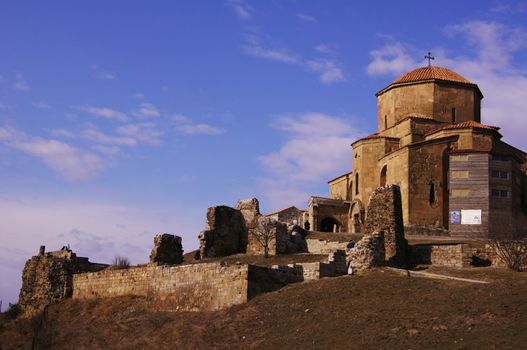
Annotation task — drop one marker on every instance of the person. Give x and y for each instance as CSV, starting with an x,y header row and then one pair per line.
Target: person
x,y
350,244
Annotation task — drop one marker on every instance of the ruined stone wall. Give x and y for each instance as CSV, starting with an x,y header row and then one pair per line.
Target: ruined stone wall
x,y
47,278
451,255
183,288
385,215
225,233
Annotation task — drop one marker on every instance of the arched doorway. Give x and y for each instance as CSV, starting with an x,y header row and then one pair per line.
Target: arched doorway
x,y
356,216
329,225
382,181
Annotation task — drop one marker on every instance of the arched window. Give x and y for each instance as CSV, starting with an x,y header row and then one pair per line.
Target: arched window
x,y
432,193
357,183
385,121
453,115
382,182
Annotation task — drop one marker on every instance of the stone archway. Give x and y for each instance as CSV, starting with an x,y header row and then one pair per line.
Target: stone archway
x,y
330,224
356,216
382,181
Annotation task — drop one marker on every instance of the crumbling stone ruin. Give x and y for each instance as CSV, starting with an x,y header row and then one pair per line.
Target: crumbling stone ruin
x,y
385,215
48,277
225,233
368,252
167,250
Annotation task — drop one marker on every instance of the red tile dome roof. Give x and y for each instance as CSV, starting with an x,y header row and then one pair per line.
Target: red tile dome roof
x,y
429,73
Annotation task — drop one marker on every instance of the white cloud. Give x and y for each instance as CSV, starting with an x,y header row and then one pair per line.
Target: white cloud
x,y
147,110
101,73
71,163
306,18
92,133
253,48
317,148
328,70
206,129
20,84
185,125
328,49
146,132
390,59
104,112
241,8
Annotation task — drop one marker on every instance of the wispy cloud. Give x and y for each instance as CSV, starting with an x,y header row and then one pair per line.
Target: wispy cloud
x,y
108,150
20,84
306,18
242,9
72,163
390,59
101,73
104,112
147,110
94,134
316,149
145,132
186,125
325,48
254,48
328,69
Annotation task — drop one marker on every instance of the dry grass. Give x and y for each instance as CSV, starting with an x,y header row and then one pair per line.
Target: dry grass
x,y
378,310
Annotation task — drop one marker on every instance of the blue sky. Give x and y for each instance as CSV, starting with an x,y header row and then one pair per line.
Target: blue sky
x,y
122,119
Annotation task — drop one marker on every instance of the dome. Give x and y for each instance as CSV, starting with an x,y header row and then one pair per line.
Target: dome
x,y
429,73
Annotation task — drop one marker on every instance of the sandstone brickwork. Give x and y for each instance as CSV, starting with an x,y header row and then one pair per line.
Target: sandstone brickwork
x,y
47,277
167,250
196,287
385,215
451,255
368,252
323,246
225,233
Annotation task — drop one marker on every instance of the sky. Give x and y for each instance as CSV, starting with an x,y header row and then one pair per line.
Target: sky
x,y
123,119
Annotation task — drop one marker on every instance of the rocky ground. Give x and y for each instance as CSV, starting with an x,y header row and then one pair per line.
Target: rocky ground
x,y
379,309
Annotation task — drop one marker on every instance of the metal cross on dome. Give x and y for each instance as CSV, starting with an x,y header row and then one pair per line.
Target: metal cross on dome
x,y
429,57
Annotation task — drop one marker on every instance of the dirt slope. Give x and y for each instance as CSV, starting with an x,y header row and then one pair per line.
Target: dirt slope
x,y
375,311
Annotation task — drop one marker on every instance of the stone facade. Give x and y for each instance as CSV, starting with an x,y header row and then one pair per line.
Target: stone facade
x,y
385,215
47,278
167,250
225,233
431,143
289,216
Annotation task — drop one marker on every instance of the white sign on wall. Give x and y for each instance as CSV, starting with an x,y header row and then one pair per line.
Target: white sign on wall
x,y
471,217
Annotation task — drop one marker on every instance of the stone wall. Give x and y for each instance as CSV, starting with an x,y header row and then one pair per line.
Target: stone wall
x,y
385,215
451,255
207,286
225,233
368,252
47,277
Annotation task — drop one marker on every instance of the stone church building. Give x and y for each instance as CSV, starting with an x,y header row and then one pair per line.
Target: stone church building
x,y
456,176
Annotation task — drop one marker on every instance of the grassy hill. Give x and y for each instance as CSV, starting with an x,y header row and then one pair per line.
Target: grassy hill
x,y
377,310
